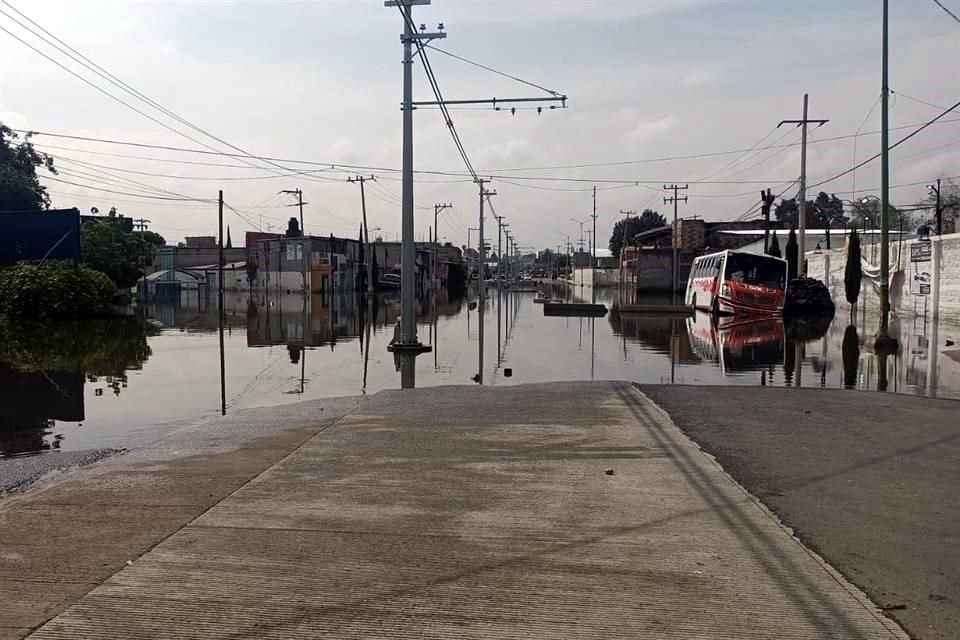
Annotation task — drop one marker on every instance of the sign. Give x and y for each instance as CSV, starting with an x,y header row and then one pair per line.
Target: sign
x,y
920,256
920,252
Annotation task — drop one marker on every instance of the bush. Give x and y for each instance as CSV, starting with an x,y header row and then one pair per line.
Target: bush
x,y
54,290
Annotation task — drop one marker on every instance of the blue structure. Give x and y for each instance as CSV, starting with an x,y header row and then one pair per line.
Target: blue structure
x,y
35,235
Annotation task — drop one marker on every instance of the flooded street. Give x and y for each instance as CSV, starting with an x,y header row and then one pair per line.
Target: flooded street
x,y
122,382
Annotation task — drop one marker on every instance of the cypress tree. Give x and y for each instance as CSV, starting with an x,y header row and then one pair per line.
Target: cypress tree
x,y
792,254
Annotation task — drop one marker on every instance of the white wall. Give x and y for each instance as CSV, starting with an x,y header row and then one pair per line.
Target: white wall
x,y
945,278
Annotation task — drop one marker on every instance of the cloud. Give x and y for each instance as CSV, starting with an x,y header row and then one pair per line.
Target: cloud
x,y
650,129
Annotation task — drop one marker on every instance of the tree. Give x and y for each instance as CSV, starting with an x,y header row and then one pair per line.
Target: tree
x,y
868,209
229,244
853,270
631,226
106,247
792,254
774,248
20,189
152,238
787,212
949,205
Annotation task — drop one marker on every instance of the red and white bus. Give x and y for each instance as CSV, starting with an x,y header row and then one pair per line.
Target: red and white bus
x,y
737,283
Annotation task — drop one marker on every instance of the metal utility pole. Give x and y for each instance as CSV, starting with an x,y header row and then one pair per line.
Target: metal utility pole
x,y
766,201
484,194
802,195
437,208
623,242
366,229
675,199
408,252
223,370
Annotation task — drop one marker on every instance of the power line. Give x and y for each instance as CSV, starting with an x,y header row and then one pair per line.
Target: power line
x,y
492,70
949,13
85,62
358,167
893,146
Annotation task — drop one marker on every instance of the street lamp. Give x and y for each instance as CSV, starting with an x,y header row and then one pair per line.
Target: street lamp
x,y
581,223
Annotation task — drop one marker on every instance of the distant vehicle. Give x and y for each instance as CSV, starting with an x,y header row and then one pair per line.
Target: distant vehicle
x,y
390,281
737,283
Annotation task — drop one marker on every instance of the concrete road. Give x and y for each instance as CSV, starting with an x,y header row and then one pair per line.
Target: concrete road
x,y
543,511
868,480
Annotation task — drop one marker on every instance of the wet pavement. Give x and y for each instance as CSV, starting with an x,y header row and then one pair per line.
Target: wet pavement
x,y
125,382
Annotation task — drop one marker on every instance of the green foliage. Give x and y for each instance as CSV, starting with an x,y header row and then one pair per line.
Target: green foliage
x,y
53,290
826,212
106,247
774,248
20,189
792,251
107,346
631,226
151,238
853,270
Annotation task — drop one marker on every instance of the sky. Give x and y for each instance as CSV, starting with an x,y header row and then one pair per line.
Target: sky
x,y
318,84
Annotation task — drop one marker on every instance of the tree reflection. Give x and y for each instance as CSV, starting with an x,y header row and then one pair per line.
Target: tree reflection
x,y
851,356
44,367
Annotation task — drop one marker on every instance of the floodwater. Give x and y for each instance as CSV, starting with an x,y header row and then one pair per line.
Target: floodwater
x,y
121,382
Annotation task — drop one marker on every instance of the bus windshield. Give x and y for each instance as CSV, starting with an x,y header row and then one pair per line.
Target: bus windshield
x,y
756,270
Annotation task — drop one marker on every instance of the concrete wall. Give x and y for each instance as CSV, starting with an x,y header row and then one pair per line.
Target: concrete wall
x,y
944,269
655,270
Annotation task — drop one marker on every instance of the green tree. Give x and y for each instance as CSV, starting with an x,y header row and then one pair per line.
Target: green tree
x,y
853,270
20,189
787,212
792,254
631,226
106,247
774,248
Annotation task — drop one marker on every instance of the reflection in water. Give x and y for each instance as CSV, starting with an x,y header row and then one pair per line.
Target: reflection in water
x,y
44,369
283,348
851,356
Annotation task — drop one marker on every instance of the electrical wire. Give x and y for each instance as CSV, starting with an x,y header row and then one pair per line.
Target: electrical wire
x,y
736,160
492,70
893,146
494,172
85,62
949,13
856,136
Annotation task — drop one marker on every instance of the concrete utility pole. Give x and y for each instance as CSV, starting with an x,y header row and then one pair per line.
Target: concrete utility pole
x,y
939,211
500,225
408,253
366,229
675,199
303,235
581,223
883,340
623,242
484,194
437,208
802,196
593,246
220,314
766,201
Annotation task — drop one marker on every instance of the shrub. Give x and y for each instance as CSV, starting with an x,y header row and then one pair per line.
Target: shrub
x,y
54,290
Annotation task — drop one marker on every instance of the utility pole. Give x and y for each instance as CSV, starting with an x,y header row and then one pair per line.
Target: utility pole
x,y
437,208
802,196
675,199
223,370
581,223
593,246
883,341
766,201
623,242
936,190
303,236
484,194
500,225
408,254
366,229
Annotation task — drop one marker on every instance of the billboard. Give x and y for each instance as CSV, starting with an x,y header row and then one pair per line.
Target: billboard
x,y
33,235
